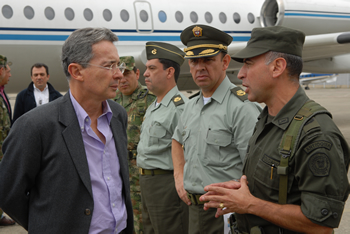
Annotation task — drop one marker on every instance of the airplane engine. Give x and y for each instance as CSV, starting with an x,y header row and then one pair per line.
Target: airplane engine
x,y
312,17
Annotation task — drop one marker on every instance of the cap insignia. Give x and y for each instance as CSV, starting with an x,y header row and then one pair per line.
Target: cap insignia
x,y
208,51
177,99
189,53
154,51
197,31
240,93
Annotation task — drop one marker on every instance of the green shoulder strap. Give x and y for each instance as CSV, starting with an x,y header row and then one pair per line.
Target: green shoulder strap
x,y
290,139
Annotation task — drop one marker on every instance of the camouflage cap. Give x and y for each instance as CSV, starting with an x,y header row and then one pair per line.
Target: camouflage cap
x,y
276,38
157,50
3,60
204,41
129,62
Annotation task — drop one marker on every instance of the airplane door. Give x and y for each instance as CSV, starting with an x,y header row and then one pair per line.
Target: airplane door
x,y
143,14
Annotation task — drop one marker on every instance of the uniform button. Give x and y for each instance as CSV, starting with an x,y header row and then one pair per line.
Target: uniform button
x,y
324,212
113,204
183,133
335,215
107,178
87,212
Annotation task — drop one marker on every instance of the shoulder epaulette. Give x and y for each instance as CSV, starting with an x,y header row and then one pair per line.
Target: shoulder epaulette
x,y
239,92
194,95
177,99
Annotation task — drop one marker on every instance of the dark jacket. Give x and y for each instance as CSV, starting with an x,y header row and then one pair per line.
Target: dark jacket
x,y
45,181
25,100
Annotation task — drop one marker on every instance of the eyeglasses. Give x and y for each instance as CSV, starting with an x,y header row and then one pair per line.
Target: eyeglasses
x,y
114,67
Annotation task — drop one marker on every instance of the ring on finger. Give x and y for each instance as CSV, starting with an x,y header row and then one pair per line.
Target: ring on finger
x,y
221,205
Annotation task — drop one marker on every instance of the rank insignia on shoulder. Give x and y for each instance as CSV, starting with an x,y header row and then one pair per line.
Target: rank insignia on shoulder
x,y
178,100
154,51
197,31
239,92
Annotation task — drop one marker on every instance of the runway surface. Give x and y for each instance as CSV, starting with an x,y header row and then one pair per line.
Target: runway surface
x,y
337,101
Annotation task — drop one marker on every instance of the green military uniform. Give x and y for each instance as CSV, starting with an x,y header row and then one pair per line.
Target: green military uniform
x,y
317,179
215,138
166,211
5,122
214,135
304,165
162,209
136,105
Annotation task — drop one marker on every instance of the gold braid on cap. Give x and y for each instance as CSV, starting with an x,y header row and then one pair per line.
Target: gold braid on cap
x,y
220,47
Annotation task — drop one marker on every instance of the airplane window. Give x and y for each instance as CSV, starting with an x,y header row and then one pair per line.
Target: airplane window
x,y
194,17
251,18
7,11
69,13
236,18
208,17
179,16
143,16
162,16
88,15
49,13
107,15
28,12
124,15
222,17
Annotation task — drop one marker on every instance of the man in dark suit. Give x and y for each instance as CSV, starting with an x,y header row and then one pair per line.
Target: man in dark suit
x,y
65,166
39,91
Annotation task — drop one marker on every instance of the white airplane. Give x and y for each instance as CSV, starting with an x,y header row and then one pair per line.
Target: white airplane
x,y
33,31
308,78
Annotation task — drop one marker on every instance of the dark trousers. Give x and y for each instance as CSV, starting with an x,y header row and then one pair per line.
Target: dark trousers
x,y
162,209
204,222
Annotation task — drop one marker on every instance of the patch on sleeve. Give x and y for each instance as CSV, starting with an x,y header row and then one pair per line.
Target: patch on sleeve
x,y
318,145
319,164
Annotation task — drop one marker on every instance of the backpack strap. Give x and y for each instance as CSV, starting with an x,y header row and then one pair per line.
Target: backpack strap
x,y
290,139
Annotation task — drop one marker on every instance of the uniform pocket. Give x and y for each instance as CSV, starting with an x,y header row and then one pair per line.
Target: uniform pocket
x,y
215,140
156,132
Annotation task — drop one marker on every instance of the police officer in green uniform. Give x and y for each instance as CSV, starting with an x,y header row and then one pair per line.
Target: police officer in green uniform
x,y
295,176
5,124
162,209
214,128
135,98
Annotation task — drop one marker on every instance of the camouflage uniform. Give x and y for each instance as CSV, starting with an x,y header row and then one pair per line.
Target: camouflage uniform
x,y
136,105
5,122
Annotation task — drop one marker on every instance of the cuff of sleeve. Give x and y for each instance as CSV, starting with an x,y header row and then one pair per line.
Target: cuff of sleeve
x,y
322,210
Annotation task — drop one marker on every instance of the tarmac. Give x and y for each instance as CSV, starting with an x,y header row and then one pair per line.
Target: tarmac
x,y
337,101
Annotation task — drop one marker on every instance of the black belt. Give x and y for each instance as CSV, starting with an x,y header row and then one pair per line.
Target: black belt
x,y
194,198
154,171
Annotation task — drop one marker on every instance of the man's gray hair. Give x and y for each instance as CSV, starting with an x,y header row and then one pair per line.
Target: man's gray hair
x,y
294,63
78,47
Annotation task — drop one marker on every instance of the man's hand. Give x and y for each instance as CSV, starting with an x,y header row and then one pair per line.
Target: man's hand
x,y
179,184
234,195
